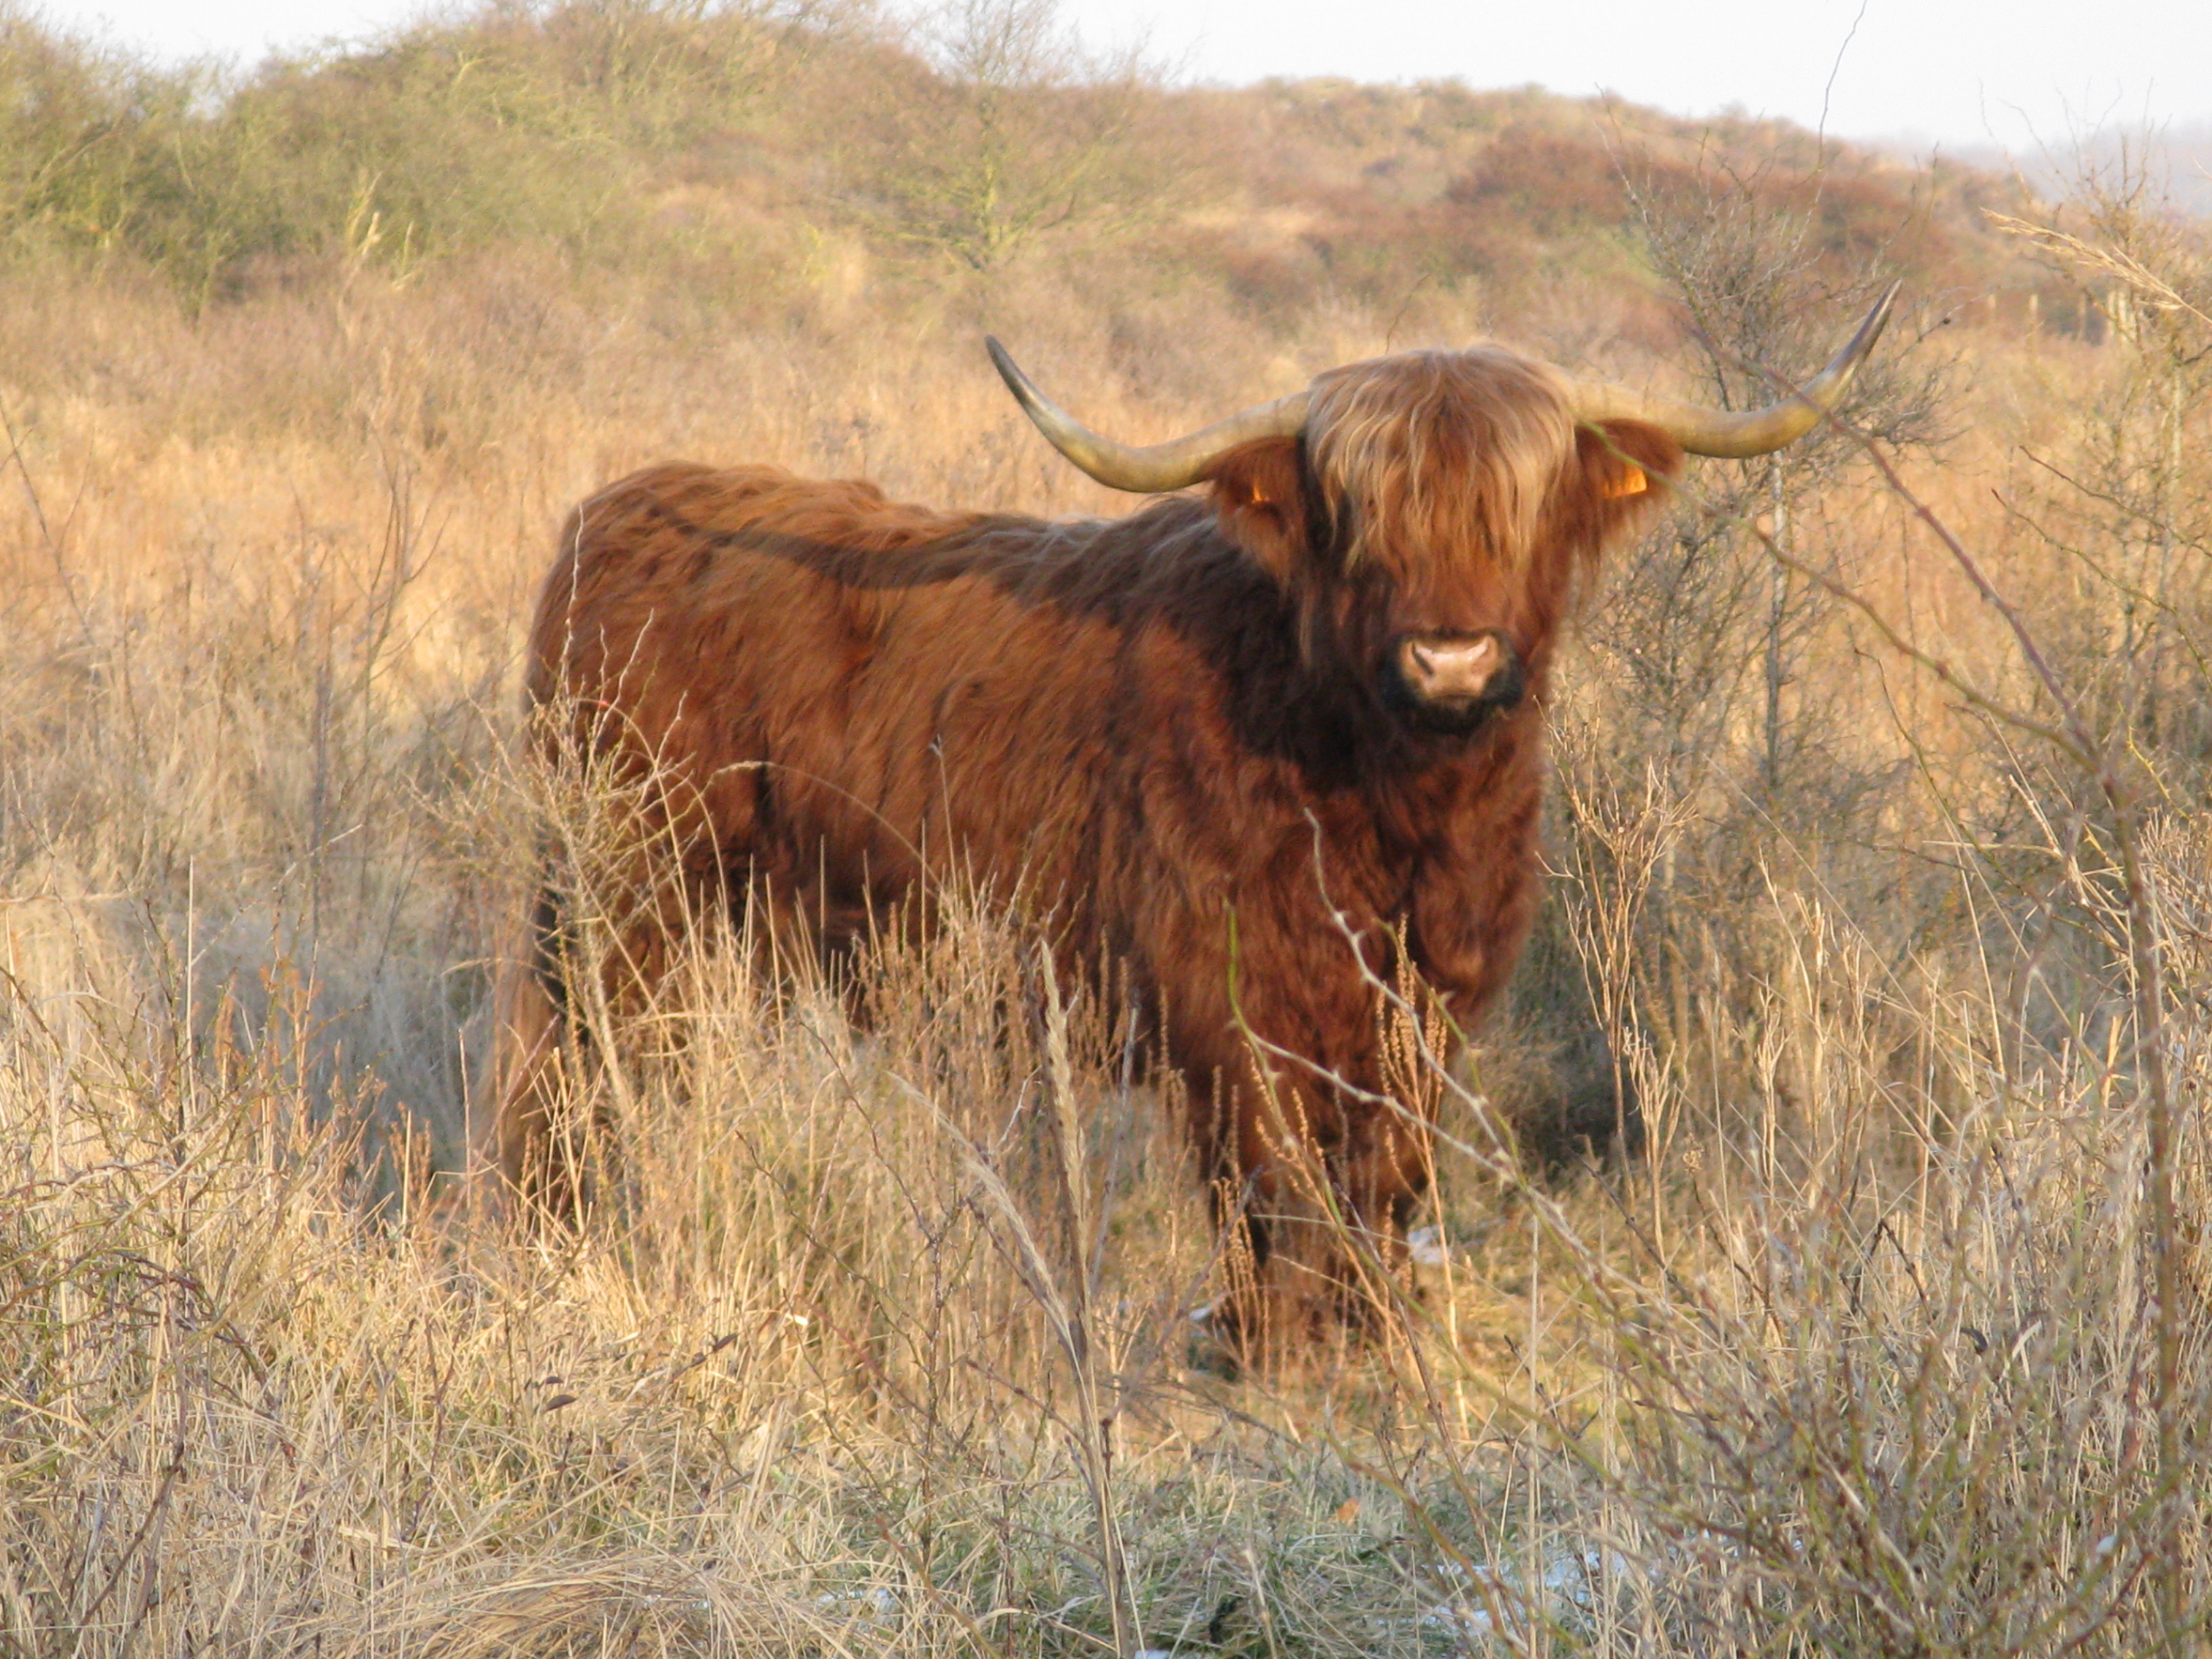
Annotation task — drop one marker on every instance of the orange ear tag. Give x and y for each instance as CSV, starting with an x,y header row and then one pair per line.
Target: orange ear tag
x,y
1632,482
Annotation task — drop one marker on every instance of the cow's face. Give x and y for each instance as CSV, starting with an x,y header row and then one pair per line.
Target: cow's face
x,y
1426,514
1430,522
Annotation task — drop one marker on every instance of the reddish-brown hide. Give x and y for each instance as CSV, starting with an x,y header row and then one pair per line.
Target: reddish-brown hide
x,y
1186,736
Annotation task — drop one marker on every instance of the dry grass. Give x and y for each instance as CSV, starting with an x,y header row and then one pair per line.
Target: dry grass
x,y
1895,1344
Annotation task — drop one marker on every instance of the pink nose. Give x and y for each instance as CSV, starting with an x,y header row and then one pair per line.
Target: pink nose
x,y
1452,670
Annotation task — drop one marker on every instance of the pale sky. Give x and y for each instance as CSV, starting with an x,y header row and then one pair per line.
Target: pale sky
x,y
1956,72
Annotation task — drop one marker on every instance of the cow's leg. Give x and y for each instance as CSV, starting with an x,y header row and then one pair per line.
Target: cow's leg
x,y
1315,1163
1388,1163
1315,1180
1312,1212
1297,1301
534,1147
1348,1167
565,993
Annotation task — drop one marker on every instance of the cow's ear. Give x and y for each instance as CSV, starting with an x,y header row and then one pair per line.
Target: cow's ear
x,y
1625,469
1261,500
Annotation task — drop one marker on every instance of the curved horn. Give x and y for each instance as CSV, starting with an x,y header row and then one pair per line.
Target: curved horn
x,y
1729,434
1157,467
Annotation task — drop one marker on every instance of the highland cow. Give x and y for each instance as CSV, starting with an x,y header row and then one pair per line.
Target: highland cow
x,y
1250,751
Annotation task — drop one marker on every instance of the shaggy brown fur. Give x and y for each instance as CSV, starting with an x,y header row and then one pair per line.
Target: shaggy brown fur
x,y
1177,732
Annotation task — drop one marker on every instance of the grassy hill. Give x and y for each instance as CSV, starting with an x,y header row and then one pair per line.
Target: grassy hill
x,y
753,151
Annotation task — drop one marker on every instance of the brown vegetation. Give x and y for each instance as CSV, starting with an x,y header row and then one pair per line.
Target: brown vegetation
x,y
1880,894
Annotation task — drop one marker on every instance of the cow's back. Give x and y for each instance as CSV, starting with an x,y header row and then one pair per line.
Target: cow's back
x,y
849,694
